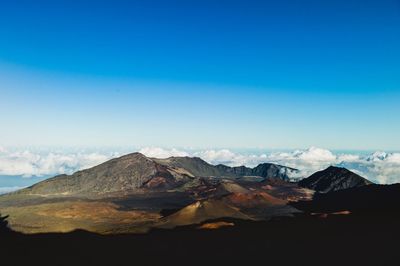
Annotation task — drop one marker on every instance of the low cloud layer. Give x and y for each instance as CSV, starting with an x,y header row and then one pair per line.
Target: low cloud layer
x,y
4,190
379,167
28,163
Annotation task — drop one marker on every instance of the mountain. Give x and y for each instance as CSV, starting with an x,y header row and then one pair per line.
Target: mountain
x,y
127,173
333,179
266,170
135,171
198,167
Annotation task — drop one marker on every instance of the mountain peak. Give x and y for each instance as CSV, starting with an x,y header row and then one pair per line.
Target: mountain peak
x,y
332,179
134,155
332,167
337,168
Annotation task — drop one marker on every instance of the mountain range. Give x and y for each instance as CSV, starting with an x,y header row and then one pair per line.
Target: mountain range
x,y
135,171
135,193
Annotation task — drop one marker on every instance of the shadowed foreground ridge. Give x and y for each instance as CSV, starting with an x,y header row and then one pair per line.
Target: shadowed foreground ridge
x,y
356,239
4,224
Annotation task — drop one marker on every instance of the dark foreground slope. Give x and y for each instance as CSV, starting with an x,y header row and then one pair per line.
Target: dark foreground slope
x,y
357,239
367,236
371,199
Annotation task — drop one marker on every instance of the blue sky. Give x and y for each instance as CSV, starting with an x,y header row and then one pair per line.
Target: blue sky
x,y
237,74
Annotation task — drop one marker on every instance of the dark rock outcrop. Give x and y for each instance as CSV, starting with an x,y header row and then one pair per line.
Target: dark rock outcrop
x,y
4,224
333,179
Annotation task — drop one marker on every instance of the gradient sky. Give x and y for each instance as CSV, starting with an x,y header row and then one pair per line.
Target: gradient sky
x,y
270,74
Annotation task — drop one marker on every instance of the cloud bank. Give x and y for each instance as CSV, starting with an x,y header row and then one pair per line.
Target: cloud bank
x,y
27,163
4,190
379,167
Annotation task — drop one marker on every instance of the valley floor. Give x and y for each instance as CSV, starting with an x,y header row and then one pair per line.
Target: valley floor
x,y
355,239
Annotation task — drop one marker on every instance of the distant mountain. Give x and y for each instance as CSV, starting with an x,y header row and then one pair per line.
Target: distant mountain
x,y
135,171
333,179
198,167
266,170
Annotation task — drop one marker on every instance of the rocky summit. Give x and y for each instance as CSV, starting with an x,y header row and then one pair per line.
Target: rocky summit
x,y
333,179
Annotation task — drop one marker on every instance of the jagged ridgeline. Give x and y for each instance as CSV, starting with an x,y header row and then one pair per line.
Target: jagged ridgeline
x,y
135,171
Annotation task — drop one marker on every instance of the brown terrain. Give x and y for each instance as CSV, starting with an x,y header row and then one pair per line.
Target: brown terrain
x,y
133,194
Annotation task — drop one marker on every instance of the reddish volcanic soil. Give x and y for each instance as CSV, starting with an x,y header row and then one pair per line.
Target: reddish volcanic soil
x,y
254,199
216,225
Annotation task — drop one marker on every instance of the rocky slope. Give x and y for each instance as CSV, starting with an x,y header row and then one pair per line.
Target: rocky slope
x,y
125,174
135,171
333,179
198,167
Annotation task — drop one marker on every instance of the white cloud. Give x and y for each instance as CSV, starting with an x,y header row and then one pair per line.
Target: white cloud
x,y
156,152
4,190
393,158
377,156
348,157
314,154
385,167
223,156
307,161
27,163
217,156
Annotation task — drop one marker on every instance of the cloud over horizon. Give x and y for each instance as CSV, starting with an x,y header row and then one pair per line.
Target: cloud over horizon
x,y
28,163
5,190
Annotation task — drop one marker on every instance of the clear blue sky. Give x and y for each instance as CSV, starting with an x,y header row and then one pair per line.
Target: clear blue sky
x,y
271,74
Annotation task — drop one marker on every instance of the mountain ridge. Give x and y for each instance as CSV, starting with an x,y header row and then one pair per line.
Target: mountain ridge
x,y
135,172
